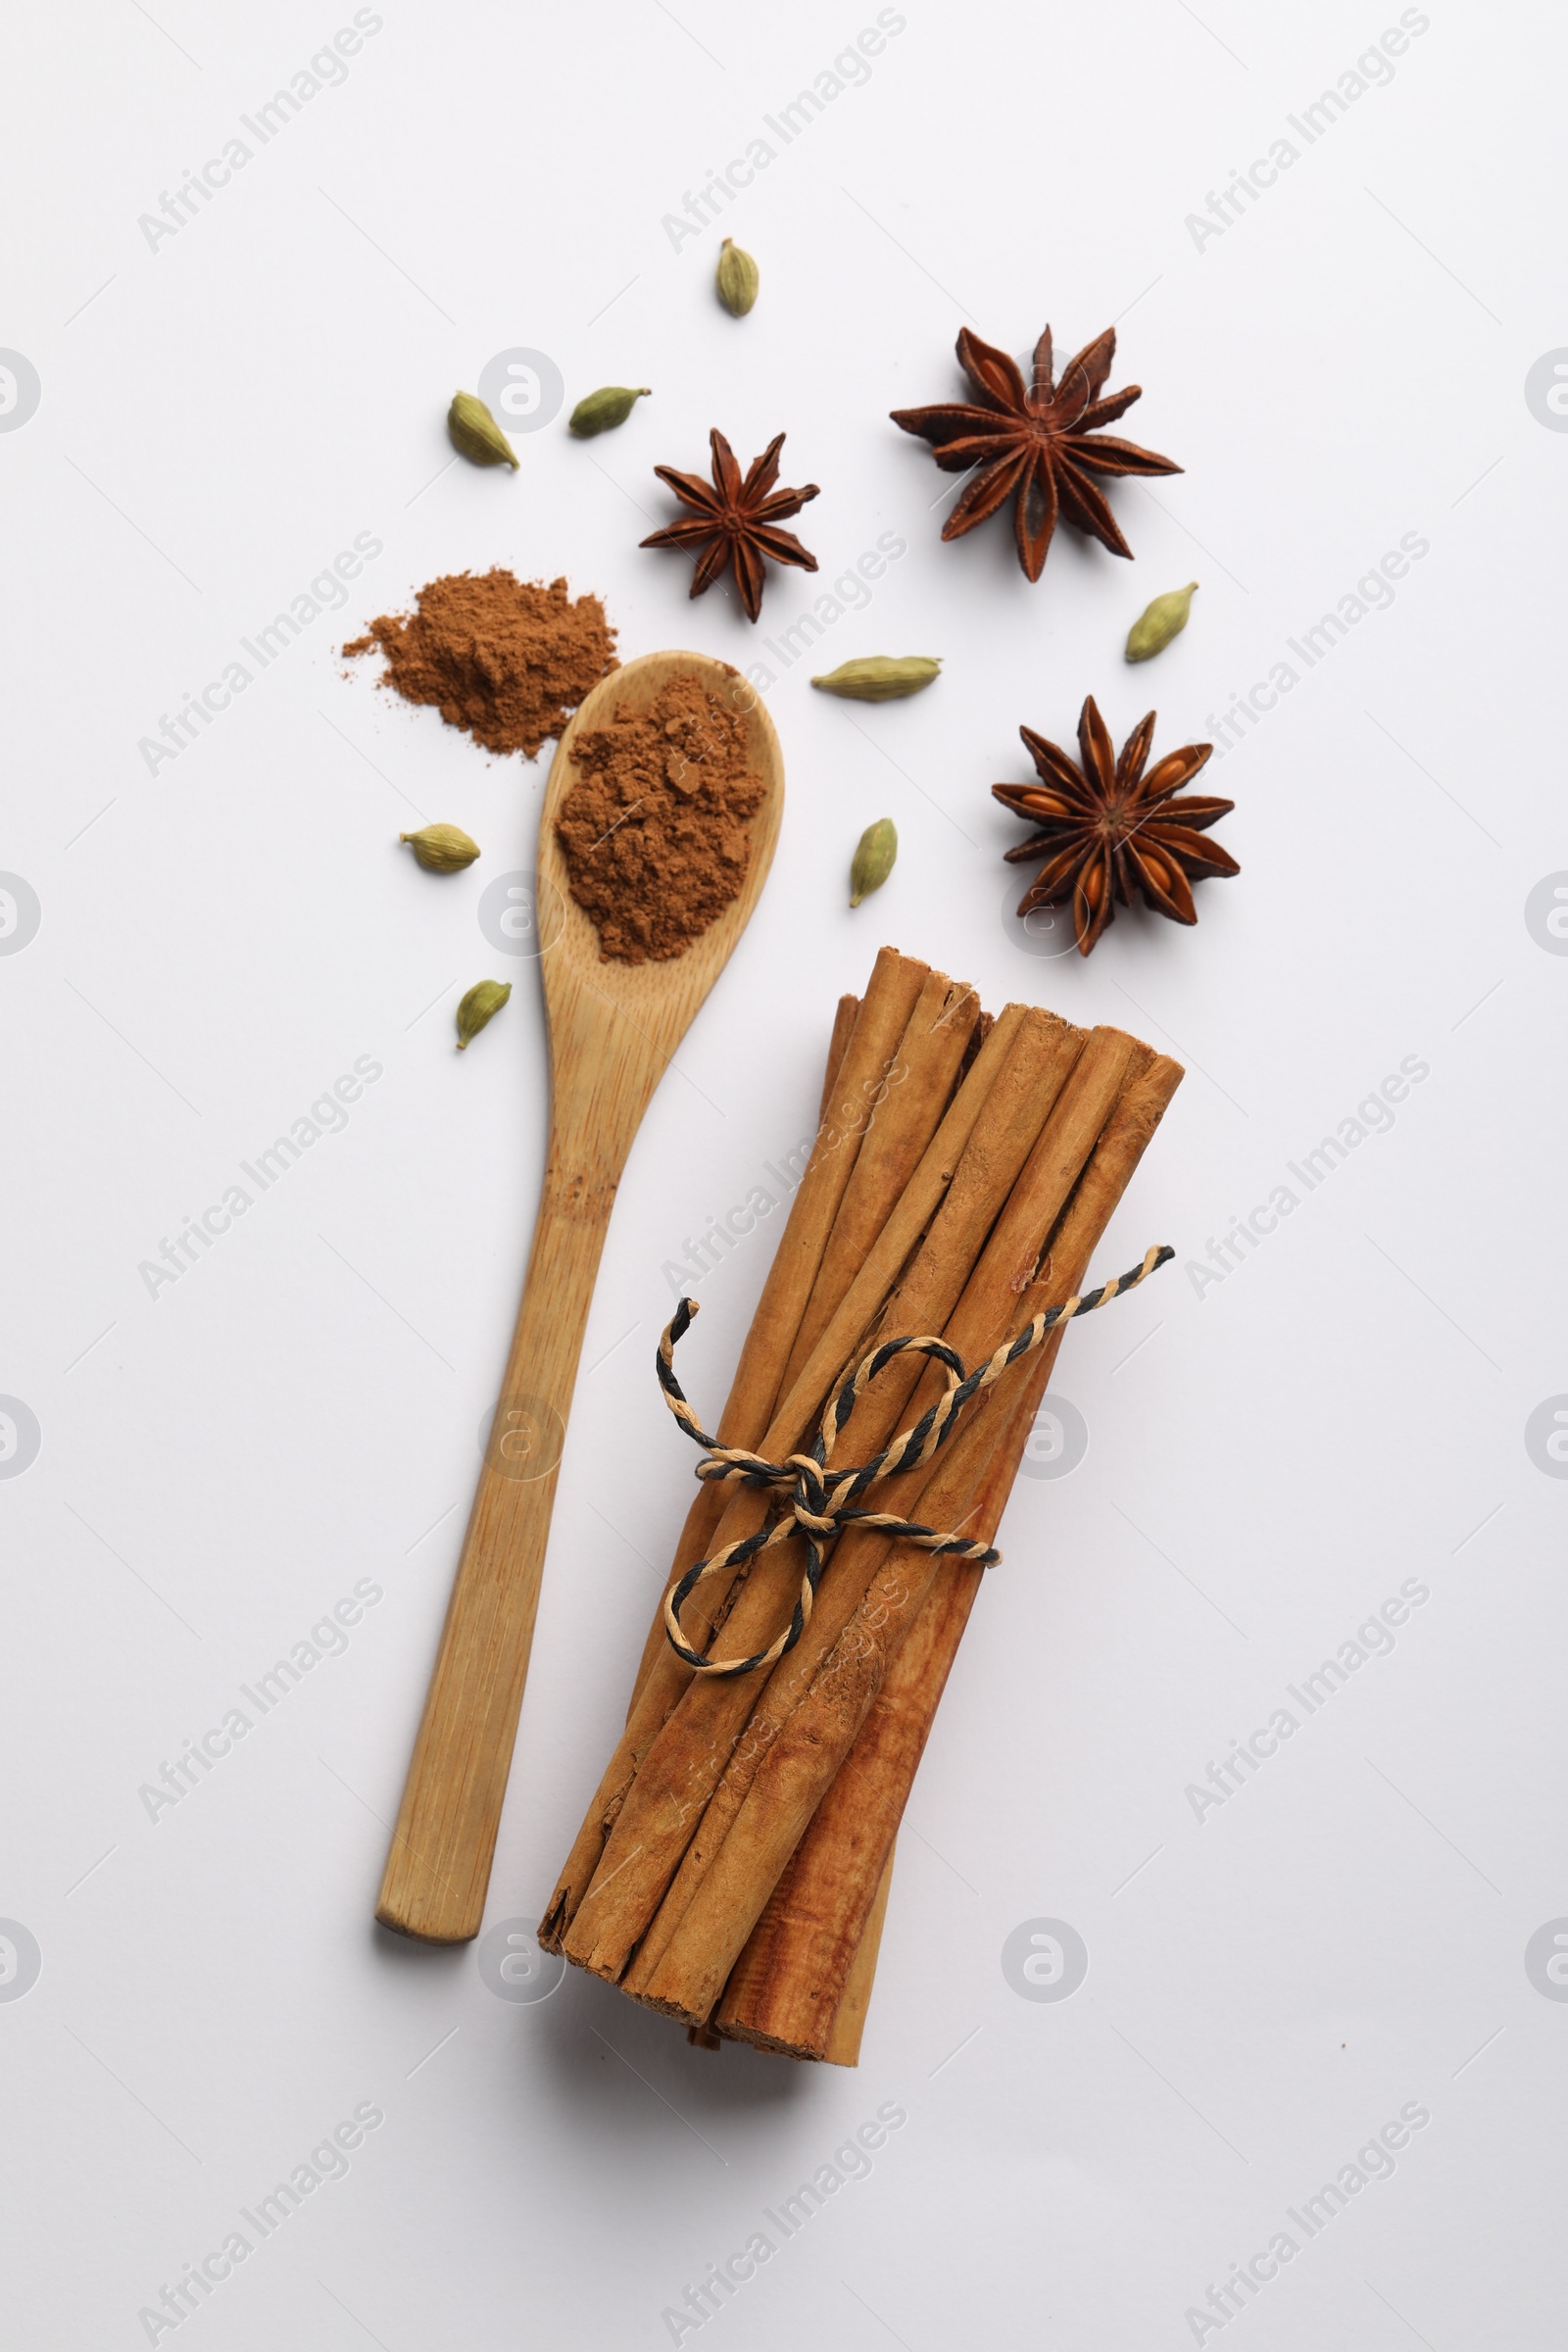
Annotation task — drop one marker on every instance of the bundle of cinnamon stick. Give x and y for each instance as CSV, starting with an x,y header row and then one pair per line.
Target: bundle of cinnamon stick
x,y
732,1868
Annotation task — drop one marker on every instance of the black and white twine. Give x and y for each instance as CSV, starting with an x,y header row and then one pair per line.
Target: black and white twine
x,y
820,1504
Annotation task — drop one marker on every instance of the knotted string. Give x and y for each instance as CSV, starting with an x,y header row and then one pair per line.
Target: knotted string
x,y
820,1505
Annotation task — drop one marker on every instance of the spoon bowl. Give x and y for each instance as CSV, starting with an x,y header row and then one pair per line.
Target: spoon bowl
x,y
659,999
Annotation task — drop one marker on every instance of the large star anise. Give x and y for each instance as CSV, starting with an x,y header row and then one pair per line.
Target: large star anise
x,y
736,519
1106,828
1032,442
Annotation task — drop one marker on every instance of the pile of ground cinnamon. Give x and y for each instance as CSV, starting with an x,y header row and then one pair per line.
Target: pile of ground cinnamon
x,y
655,832
505,658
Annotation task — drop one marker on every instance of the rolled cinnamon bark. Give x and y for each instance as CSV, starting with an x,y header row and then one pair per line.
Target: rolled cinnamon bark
x,y
892,1091
866,1231
874,1039
985,1316
682,1763
889,1158
849,2019
862,1306
842,1340
843,1020
697,1518
777,1779
802,1983
656,1643
890,998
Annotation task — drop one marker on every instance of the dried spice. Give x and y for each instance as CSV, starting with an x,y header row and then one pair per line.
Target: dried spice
x,y
1037,444
1159,622
656,831
478,1009
602,411
737,279
880,677
736,519
475,434
1107,829
874,856
728,1864
442,848
507,660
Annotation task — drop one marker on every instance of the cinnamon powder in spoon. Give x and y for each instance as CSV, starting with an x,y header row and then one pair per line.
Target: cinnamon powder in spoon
x,y
656,831
505,659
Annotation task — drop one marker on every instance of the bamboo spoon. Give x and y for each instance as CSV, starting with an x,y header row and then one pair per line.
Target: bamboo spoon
x,y
613,1029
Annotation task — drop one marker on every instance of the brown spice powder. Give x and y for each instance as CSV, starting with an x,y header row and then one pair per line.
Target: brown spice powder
x,y
655,832
507,660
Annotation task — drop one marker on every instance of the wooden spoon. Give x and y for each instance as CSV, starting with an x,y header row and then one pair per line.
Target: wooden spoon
x,y
613,1029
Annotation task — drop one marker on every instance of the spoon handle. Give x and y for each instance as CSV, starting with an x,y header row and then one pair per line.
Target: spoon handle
x,y
438,1868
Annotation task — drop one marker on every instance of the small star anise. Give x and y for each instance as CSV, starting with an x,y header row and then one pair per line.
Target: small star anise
x,y
1106,827
1032,442
736,519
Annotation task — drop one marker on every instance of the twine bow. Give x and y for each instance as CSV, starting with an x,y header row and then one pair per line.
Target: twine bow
x,y
821,1502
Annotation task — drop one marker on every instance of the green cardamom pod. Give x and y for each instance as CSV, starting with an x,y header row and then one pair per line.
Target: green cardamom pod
x,y
873,862
480,1005
442,848
879,677
1165,619
476,434
602,411
737,279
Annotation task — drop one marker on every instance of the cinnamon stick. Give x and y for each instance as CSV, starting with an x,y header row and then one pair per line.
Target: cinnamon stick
x,y
804,1963
893,1086
849,2019
843,1020
986,1315
750,1832
840,1339
864,1301
684,1760
891,994
889,1156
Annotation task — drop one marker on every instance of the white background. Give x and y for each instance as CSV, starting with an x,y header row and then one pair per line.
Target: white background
x,y
1343,366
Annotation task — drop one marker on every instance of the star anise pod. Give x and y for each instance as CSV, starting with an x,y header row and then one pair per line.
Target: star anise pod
x,y
1106,828
735,519
1037,444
